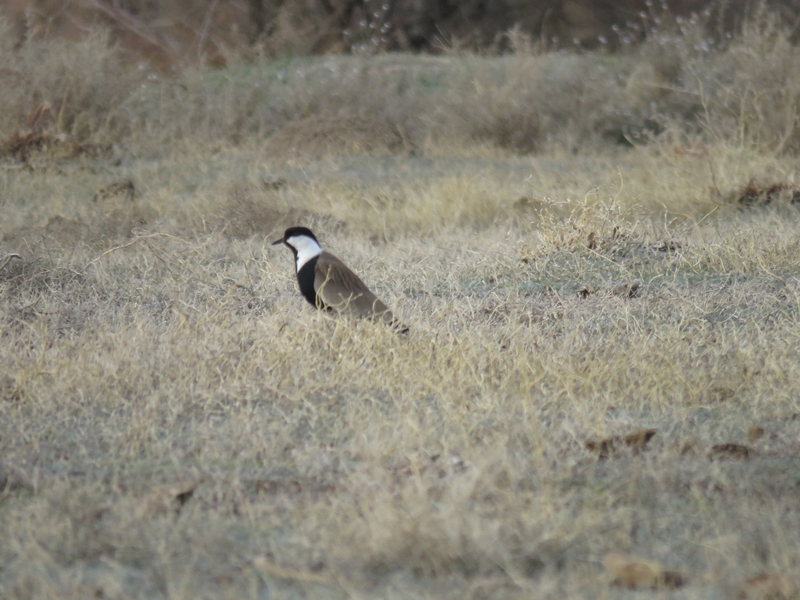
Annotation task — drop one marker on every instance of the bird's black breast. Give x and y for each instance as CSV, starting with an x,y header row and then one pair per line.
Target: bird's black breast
x,y
305,278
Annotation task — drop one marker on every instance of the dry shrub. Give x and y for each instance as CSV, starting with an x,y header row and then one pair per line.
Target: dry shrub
x,y
351,104
84,83
751,92
525,102
743,92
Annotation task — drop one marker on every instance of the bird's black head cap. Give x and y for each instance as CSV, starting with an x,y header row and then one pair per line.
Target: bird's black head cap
x,y
295,231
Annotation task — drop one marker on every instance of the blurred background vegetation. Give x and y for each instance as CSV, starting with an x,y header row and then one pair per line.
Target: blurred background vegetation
x,y
100,77
169,34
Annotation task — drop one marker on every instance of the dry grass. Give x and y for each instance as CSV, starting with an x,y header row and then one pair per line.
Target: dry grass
x,y
175,421
331,457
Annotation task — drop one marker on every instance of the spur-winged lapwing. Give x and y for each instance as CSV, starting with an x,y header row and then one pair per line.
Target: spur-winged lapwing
x,y
327,283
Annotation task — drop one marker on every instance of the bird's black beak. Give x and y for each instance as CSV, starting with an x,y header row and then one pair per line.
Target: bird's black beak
x,y
280,241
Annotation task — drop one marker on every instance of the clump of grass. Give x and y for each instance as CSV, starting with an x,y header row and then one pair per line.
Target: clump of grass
x,y
597,225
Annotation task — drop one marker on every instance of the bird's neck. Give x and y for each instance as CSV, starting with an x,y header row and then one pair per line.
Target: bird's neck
x,y
305,279
305,250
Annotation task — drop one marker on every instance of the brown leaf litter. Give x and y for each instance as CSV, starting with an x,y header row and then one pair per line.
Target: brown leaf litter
x,y
770,586
760,192
635,573
636,442
729,452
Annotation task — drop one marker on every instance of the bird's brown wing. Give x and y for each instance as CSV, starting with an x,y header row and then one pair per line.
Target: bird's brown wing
x,y
341,289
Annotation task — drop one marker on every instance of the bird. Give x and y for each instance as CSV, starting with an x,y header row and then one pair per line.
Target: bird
x,y
328,284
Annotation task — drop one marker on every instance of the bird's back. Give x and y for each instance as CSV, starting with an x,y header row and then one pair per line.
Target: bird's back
x,y
341,289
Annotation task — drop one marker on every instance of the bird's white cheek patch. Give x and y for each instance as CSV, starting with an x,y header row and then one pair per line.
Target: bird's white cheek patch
x,y
306,249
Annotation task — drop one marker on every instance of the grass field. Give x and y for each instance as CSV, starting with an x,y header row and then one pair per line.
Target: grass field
x,y
177,422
